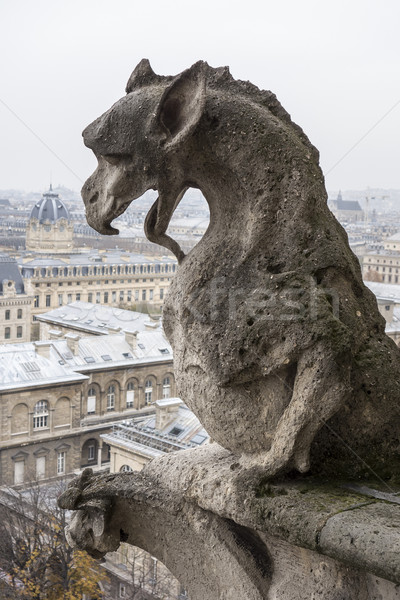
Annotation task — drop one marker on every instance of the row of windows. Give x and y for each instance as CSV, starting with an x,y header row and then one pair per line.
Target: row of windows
x,y
19,467
41,408
7,332
383,269
107,297
8,314
85,271
130,394
390,262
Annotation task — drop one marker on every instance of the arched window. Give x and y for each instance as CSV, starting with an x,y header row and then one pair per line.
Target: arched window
x,y
91,401
148,391
130,394
111,397
125,469
166,388
41,415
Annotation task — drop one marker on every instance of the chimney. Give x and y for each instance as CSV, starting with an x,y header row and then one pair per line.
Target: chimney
x,y
131,338
166,411
112,329
73,342
54,334
43,349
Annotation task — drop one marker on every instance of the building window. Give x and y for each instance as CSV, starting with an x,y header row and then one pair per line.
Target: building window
x,y
60,463
143,294
40,467
19,331
91,401
91,452
151,292
122,590
7,315
166,388
48,300
161,293
105,297
121,296
126,469
114,296
90,297
130,394
129,296
19,313
98,299
148,391
136,295
111,397
78,297
19,472
60,299
7,333
69,298
41,415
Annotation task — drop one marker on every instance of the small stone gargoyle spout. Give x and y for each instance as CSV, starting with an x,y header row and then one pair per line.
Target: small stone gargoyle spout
x,y
89,527
279,348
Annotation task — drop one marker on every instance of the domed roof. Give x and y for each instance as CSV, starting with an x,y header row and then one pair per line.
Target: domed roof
x,y
50,208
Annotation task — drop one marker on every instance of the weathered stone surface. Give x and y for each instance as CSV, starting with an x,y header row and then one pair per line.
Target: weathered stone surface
x,y
279,348
283,541
368,537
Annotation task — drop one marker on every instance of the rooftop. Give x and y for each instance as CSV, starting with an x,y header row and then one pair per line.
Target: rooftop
x,y
50,208
9,272
96,318
181,432
50,362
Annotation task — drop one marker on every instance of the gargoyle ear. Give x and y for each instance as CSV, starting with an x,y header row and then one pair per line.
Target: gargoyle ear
x,y
182,104
141,76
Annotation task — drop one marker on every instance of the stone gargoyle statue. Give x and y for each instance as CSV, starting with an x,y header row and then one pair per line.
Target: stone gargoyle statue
x,y
279,348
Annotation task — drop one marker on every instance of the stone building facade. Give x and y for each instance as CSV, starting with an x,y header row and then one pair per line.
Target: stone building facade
x,y
15,303
112,278
59,396
49,227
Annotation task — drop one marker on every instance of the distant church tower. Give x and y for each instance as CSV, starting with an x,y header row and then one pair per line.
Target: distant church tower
x,y
49,229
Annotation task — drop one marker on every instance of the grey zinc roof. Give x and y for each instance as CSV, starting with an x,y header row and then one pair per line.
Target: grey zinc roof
x,y
21,366
142,436
95,318
93,350
9,271
388,291
94,258
50,208
393,238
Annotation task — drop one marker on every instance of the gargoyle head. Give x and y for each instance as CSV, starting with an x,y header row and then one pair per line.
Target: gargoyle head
x,y
136,143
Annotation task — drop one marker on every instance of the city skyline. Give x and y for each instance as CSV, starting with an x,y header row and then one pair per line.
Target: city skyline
x,y
332,67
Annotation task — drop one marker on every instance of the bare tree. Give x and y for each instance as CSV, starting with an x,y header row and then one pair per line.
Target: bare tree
x,y
35,559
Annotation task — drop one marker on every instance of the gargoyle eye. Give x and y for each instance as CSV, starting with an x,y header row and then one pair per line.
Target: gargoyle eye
x,y
115,159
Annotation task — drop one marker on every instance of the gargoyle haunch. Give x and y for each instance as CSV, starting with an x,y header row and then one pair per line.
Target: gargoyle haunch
x,y
279,348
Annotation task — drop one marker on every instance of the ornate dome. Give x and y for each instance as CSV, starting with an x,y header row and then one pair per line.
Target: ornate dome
x,y
50,208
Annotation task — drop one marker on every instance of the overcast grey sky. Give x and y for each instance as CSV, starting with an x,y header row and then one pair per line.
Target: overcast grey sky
x,y
334,65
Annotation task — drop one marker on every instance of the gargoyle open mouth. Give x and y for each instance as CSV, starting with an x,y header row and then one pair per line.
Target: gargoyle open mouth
x,y
156,224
